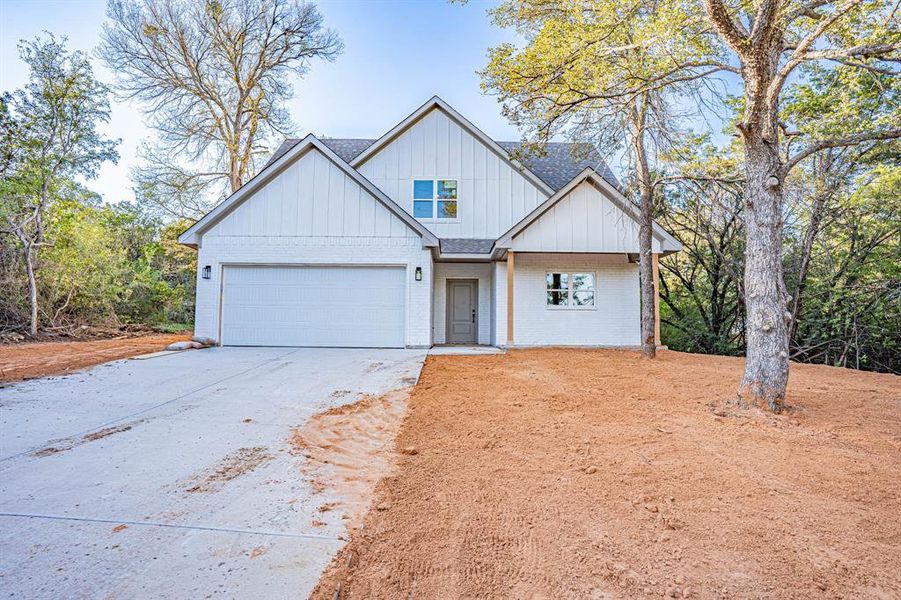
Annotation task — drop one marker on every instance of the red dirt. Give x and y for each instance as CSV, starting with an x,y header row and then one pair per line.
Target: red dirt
x,y
236,464
600,474
27,361
348,449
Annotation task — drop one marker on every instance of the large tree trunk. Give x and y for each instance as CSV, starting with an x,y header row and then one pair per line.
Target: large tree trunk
x,y
766,369
646,277
645,238
32,288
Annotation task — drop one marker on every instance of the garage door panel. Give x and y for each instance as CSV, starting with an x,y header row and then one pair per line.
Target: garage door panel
x,y
314,306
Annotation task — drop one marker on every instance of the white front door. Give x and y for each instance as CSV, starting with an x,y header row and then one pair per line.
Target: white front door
x,y
462,311
313,306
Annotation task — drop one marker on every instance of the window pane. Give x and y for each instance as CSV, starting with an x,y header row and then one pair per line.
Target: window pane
x,y
447,188
423,189
422,209
557,298
557,281
447,209
583,281
583,298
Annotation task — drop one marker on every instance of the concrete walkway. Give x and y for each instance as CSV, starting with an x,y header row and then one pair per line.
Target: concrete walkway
x,y
172,477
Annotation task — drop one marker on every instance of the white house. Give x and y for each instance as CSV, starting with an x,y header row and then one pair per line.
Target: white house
x,y
431,234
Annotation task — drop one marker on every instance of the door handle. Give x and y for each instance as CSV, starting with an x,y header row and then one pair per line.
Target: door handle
x,y
473,315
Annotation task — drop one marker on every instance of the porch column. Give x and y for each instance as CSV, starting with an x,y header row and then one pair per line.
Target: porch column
x,y
655,261
510,297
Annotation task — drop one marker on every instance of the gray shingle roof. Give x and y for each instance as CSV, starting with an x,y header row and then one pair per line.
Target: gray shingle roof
x,y
465,246
560,163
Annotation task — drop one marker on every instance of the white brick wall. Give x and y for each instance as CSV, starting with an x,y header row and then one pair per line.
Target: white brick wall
x,y
445,271
407,251
615,320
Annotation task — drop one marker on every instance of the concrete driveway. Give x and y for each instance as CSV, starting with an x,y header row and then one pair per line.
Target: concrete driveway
x,y
172,476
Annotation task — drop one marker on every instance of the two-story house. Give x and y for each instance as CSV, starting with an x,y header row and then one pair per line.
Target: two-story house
x,y
432,234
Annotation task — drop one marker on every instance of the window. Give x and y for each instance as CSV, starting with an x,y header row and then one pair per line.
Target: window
x,y
435,198
570,290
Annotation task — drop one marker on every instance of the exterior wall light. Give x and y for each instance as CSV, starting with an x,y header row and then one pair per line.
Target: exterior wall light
x,y
207,272
418,274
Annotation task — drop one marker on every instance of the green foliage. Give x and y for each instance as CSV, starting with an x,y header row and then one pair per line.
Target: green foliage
x,y
852,310
83,267
85,263
586,63
161,285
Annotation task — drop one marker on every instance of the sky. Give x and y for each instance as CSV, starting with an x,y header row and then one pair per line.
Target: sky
x,y
397,55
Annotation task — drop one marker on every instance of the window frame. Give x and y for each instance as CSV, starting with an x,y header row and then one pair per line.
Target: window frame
x,y
570,291
435,200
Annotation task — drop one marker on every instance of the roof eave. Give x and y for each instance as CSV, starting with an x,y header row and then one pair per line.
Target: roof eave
x,y
668,244
192,236
437,102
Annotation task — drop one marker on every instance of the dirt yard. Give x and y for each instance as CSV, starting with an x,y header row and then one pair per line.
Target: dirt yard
x,y
598,474
26,361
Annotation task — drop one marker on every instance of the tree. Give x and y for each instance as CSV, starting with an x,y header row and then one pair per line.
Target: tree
x,y
701,292
592,69
214,77
832,103
771,39
55,118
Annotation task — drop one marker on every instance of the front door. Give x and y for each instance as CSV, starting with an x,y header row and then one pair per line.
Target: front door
x,y
462,311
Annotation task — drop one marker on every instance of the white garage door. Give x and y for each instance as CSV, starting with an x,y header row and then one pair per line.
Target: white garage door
x,y
313,306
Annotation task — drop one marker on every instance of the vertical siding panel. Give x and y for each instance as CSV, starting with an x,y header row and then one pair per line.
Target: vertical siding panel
x,y
367,215
430,144
454,149
563,217
493,220
319,198
392,159
492,195
305,195
336,202
442,145
417,146
405,158
293,197
504,193
351,221
466,142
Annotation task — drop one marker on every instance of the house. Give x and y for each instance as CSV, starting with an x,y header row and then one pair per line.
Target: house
x,y
432,234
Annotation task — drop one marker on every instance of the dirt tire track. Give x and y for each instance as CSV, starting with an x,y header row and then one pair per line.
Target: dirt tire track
x,y
599,474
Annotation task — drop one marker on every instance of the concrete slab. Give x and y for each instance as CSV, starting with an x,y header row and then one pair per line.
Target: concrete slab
x,y
104,474
465,350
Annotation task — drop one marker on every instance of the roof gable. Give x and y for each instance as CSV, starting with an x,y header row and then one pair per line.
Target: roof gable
x,y
191,236
436,103
664,242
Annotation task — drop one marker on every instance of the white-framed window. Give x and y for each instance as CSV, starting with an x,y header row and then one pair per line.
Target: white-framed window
x,y
435,199
571,289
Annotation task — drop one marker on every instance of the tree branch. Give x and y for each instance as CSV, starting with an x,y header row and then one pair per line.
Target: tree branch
x,y
851,140
726,26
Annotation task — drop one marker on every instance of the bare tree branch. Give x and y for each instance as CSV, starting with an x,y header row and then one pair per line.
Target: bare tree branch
x,y
851,140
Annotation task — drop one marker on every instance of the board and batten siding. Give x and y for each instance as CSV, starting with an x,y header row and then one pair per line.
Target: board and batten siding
x,y
312,197
312,213
492,195
584,220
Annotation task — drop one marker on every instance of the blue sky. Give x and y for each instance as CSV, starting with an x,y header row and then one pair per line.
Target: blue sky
x,y
397,55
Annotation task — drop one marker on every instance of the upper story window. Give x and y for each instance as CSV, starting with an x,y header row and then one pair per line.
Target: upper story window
x,y
435,198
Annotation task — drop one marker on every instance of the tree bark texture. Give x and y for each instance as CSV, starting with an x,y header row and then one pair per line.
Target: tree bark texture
x,y
645,230
766,368
32,288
